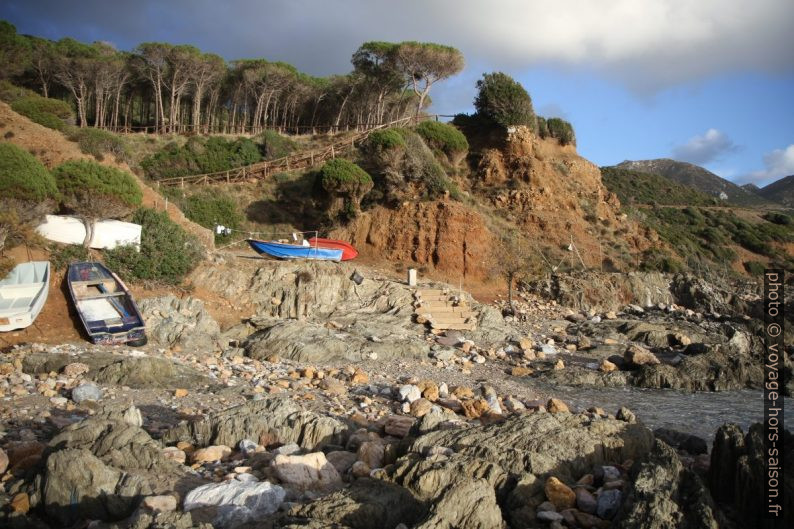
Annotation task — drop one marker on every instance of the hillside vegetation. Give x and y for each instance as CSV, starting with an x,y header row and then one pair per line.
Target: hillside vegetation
x,y
637,187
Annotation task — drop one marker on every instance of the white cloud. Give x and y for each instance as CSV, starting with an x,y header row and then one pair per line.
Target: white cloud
x,y
708,147
777,164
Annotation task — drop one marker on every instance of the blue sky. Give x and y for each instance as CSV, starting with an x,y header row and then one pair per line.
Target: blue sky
x,y
709,81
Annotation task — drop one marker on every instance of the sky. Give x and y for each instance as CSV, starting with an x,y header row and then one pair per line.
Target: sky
x,y
710,82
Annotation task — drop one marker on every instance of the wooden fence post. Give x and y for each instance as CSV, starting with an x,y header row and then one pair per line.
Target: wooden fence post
x,y
183,183
333,154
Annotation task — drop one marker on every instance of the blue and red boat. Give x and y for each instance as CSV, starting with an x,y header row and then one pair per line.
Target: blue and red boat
x,y
280,250
348,252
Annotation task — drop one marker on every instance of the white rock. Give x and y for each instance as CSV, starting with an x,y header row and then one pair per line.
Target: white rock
x,y
287,450
409,393
85,392
238,502
310,471
443,390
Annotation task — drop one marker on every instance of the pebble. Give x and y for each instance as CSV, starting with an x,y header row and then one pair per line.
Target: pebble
x,y
609,503
549,516
585,501
557,406
409,393
559,494
163,503
86,392
211,454
20,503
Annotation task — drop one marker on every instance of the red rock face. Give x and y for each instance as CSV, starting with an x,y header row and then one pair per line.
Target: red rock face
x,y
444,236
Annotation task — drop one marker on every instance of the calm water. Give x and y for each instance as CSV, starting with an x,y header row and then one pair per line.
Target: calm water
x,y
697,413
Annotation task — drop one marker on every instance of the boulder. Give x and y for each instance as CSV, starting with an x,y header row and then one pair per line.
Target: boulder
x,y
639,356
663,494
306,472
78,485
273,420
738,471
236,502
367,504
109,368
172,321
305,341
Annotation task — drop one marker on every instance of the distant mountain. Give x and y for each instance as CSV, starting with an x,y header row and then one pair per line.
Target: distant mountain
x,y
637,187
781,191
752,188
697,177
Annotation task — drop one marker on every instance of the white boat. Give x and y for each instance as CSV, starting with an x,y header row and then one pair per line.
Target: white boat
x,y
23,293
107,233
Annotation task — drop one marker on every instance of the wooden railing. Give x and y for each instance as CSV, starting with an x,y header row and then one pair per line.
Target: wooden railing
x,y
300,160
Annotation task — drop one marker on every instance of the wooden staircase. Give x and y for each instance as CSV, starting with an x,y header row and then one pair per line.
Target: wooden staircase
x,y
443,310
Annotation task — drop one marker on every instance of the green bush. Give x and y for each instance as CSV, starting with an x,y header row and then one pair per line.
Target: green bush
x,y
23,177
10,92
382,140
543,127
96,190
342,175
754,268
201,155
275,145
97,142
210,209
51,113
561,130
346,183
443,137
504,101
778,218
61,256
167,253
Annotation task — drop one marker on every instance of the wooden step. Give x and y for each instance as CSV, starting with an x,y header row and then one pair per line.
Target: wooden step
x,y
431,292
424,309
441,299
453,326
435,304
450,318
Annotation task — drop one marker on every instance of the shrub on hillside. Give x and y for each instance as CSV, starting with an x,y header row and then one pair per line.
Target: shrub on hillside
x,y
167,253
382,140
754,268
22,175
778,218
561,130
210,209
10,92
51,113
201,155
97,143
445,138
346,183
543,127
504,101
97,191
27,191
275,145
62,255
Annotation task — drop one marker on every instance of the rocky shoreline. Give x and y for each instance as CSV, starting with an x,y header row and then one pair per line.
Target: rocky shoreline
x,y
331,407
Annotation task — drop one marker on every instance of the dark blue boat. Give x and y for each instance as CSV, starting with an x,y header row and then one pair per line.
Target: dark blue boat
x,y
105,305
295,251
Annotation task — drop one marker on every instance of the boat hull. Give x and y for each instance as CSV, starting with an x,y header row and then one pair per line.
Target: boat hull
x,y
348,252
105,305
279,250
23,294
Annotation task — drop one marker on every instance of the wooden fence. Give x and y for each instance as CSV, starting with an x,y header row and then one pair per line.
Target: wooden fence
x,y
300,160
